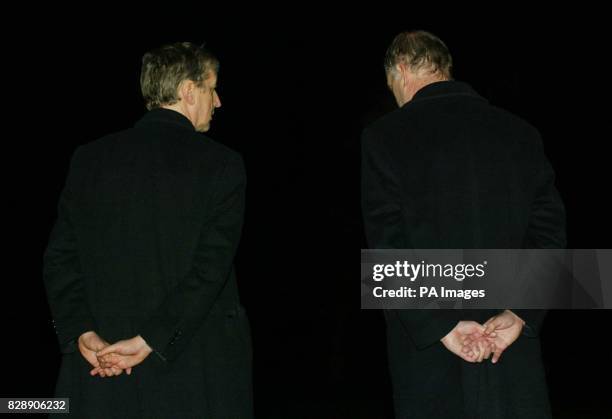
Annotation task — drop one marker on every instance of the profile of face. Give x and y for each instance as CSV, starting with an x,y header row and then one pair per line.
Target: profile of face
x,y
206,100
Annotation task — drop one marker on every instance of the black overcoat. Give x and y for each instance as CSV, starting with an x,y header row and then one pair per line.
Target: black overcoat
x,y
449,170
147,229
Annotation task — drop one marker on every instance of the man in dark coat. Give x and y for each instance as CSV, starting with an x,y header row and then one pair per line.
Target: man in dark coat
x,y
141,255
448,170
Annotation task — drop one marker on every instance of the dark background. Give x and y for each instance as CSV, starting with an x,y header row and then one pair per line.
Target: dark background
x,y
296,92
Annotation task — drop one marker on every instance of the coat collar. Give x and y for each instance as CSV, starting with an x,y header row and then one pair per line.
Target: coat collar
x,y
442,89
165,116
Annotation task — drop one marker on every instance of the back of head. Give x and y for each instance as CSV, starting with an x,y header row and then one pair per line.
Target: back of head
x,y
164,68
423,53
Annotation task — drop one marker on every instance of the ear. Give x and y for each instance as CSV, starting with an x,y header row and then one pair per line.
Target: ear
x,y
404,73
186,91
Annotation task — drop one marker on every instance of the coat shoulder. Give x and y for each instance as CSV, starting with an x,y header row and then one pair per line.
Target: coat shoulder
x,y
514,120
98,145
207,145
387,122
195,145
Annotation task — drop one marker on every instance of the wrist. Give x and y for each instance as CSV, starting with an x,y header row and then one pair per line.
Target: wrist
x,y
516,317
146,345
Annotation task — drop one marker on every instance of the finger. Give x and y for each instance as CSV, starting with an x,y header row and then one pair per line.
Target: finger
x,y
117,347
496,355
490,326
116,371
476,332
488,350
113,359
471,357
120,362
467,341
481,348
108,358
105,363
466,357
474,350
113,362
129,371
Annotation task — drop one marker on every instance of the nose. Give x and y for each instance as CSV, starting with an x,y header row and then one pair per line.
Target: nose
x,y
217,101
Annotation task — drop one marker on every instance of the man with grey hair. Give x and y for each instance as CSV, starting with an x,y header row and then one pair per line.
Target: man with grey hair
x,y
448,170
141,257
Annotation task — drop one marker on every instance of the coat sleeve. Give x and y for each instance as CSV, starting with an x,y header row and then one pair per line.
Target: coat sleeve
x,y
384,225
172,325
380,196
62,272
533,321
546,228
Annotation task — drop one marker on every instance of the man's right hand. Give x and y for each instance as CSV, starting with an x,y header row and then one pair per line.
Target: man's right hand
x,y
508,327
500,330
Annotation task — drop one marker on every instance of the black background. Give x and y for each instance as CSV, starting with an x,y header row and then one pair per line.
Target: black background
x,y
296,91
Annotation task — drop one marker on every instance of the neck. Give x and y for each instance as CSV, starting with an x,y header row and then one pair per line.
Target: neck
x,y
419,82
177,107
